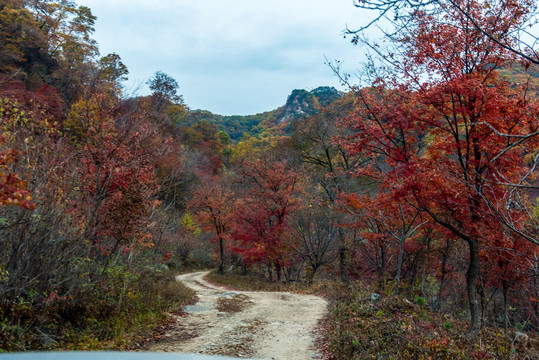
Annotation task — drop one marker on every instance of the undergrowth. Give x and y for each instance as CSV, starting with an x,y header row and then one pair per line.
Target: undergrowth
x,y
111,316
359,327
244,282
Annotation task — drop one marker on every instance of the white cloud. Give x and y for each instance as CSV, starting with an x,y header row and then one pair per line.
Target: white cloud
x,y
229,57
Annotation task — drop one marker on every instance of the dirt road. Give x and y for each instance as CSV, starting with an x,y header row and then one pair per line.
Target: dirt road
x,y
261,325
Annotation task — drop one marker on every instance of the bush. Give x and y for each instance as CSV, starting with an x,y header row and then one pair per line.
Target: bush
x,y
108,316
358,328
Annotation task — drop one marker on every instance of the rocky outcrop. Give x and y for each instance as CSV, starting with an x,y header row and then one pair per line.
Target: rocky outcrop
x,y
302,103
299,103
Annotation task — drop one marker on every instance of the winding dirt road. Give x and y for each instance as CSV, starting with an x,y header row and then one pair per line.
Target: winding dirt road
x,y
270,325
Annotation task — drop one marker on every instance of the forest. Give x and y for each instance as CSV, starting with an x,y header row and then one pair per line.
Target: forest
x,y
418,186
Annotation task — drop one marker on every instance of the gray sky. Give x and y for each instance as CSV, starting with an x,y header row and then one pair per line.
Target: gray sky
x,y
232,57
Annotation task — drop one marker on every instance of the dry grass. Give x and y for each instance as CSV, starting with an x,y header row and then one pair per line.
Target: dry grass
x,y
358,328
254,282
232,304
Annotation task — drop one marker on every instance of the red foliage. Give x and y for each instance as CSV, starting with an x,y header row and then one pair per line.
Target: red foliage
x,y
261,214
118,178
212,204
25,115
12,188
45,102
452,138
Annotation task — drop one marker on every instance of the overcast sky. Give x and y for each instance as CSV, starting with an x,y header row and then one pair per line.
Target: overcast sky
x,y
233,57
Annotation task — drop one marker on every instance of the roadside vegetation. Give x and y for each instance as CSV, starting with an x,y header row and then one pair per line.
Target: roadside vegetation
x,y
119,318
251,282
361,326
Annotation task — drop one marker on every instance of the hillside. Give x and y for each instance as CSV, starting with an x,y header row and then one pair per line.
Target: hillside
x,y
299,104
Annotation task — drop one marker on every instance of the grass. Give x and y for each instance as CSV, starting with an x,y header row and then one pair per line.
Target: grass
x,y
115,319
253,282
358,328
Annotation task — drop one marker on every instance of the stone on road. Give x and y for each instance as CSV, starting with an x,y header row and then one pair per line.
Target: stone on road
x,y
264,325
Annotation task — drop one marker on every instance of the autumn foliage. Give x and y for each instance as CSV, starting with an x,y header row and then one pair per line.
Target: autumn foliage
x,y
420,184
12,187
80,214
450,137
261,214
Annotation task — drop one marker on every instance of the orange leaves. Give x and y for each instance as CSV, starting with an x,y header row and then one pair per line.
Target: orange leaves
x,y
213,204
12,188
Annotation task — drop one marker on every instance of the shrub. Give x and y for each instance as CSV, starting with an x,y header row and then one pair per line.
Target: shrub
x,y
127,305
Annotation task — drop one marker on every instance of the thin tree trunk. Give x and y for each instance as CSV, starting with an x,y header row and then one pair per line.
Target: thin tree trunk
x,y
278,270
425,262
383,268
472,276
342,258
505,316
270,273
535,289
298,272
442,280
221,256
243,268
399,267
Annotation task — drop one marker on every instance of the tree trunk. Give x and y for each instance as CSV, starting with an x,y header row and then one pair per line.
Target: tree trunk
x,y
311,273
382,268
270,273
505,289
298,272
278,270
413,278
442,280
221,256
342,258
399,267
535,289
472,276
424,272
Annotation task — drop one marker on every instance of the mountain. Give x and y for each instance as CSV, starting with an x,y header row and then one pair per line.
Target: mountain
x,y
299,104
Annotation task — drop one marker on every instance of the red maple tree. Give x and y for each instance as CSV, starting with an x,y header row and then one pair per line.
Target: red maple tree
x,y
261,214
448,134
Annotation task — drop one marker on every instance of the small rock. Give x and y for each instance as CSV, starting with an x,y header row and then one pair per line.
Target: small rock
x,y
194,308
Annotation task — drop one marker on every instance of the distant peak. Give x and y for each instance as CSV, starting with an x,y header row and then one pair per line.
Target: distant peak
x,y
302,103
